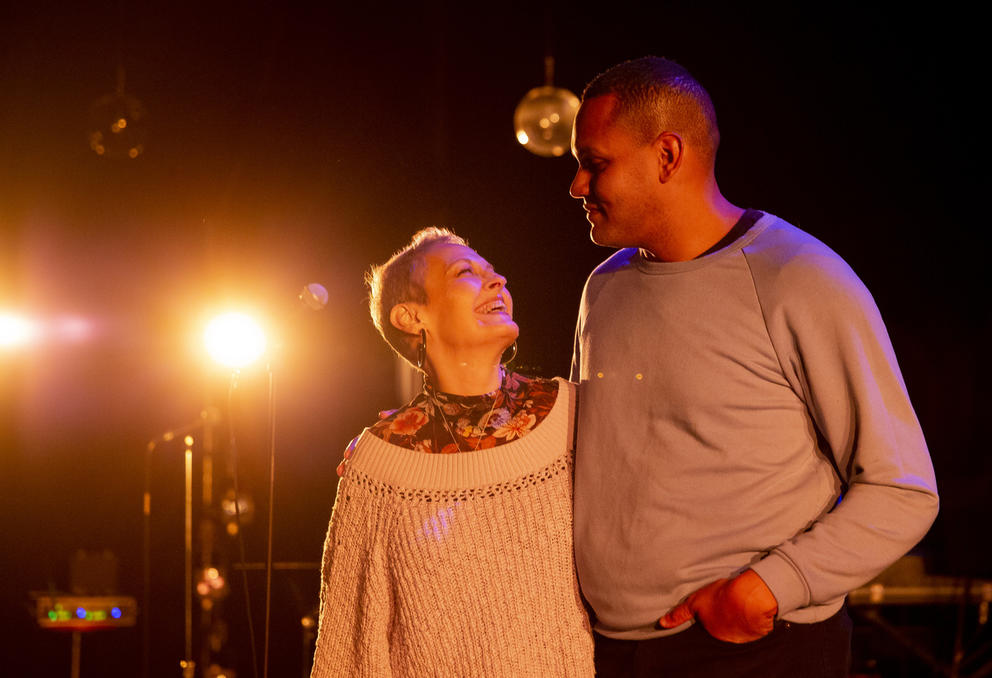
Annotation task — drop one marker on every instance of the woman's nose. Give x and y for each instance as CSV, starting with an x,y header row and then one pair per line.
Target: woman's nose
x,y
496,280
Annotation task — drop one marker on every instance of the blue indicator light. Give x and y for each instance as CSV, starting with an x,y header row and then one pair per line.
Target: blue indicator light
x,y
81,613
115,613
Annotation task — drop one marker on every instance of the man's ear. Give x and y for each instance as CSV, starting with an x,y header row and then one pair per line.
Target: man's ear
x,y
669,149
406,317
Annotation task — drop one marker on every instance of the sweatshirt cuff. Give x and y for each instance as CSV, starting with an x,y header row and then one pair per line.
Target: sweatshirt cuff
x,y
784,580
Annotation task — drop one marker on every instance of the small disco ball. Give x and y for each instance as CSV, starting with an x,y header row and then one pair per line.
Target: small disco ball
x,y
117,126
543,120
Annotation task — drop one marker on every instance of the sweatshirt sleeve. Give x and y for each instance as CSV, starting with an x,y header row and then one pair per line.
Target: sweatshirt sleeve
x,y
355,595
837,356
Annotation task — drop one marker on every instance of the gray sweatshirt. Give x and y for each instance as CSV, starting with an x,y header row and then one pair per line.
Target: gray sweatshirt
x,y
743,409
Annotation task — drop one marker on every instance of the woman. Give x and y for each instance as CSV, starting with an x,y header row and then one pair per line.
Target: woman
x,y
449,551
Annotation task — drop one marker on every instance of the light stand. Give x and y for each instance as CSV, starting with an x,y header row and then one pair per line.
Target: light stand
x,y
187,664
206,420
268,552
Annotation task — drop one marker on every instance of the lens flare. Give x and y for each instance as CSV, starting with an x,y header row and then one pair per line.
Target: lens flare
x,y
234,340
16,330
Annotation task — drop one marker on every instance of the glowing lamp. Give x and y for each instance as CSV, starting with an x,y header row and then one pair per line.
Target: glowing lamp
x,y
234,340
543,120
16,330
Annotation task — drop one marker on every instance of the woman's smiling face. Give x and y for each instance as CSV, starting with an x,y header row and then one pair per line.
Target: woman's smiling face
x,y
468,305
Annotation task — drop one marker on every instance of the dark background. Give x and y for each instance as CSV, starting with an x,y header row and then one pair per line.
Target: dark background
x,y
288,144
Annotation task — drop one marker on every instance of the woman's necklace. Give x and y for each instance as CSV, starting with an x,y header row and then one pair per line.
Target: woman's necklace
x,y
483,423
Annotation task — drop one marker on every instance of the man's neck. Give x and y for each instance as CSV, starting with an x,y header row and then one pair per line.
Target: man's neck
x,y
690,229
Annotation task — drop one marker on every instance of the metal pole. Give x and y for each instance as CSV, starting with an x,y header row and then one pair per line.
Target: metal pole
x,y
188,665
268,555
146,565
76,650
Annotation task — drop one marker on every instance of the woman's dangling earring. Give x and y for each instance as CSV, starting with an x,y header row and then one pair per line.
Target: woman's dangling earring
x,y
512,355
422,350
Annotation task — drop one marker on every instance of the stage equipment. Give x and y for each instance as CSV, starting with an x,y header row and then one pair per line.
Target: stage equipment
x,y
117,124
234,340
16,330
207,420
79,614
84,613
906,583
543,118
188,665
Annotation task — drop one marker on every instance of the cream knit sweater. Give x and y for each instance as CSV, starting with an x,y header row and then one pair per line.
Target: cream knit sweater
x,y
455,565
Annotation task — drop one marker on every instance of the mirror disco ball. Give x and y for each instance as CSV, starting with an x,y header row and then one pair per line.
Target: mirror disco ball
x,y
543,120
117,126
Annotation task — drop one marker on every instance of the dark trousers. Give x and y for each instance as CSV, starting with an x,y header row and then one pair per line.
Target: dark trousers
x,y
820,650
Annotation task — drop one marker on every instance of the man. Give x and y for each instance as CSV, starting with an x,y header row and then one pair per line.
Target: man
x,y
747,452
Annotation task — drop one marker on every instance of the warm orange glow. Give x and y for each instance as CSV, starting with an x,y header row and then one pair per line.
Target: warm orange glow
x,y
234,340
16,330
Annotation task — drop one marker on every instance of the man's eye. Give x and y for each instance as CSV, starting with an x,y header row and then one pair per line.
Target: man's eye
x,y
464,271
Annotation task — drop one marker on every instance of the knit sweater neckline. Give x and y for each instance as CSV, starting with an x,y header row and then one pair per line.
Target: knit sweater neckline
x,y
404,468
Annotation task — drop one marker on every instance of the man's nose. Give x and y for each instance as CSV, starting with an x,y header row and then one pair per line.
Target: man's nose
x,y
580,185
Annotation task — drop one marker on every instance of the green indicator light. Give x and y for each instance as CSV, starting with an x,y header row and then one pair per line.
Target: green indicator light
x,y
53,615
99,615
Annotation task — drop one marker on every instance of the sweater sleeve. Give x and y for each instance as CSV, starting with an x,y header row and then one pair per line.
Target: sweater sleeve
x,y
355,594
837,356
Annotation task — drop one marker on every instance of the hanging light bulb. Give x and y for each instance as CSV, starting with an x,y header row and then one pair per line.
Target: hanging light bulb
x,y
543,118
117,124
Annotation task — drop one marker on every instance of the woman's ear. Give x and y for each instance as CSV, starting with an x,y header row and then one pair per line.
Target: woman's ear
x,y
406,317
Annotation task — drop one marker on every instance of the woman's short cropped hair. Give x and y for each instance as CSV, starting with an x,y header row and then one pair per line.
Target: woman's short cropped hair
x,y
401,279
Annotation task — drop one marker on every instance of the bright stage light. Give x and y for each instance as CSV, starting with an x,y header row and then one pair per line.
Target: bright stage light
x,y
234,339
16,330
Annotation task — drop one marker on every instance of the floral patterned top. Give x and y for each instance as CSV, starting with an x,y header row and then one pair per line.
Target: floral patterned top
x,y
467,423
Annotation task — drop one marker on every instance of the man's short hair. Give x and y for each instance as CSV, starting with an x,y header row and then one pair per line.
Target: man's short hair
x,y
655,95
401,279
